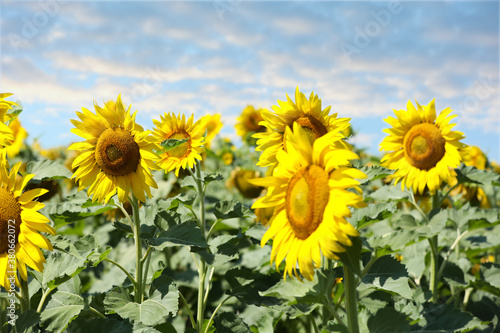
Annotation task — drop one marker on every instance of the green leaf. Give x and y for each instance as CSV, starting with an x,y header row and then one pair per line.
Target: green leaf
x,y
75,208
471,176
387,274
170,144
63,265
99,325
228,322
371,214
61,310
489,280
27,322
374,173
163,300
444,318
352,255
390,193
246,285
388,320
229,209
187,233
48,169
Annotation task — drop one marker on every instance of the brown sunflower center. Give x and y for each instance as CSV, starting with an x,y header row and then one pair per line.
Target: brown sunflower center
x,y
424,146
10,220
252,123
312,126
117,153
182,149
306,198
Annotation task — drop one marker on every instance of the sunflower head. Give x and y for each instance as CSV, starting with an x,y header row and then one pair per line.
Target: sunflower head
x,y
422,147
308,192
249,122
20,224
184,155
6,134
116,157
212,126
307,113
239,179
19,135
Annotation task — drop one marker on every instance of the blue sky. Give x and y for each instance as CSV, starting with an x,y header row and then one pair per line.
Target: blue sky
x,y
363,58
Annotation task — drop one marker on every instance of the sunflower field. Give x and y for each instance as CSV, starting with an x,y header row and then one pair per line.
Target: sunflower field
x,y
168,227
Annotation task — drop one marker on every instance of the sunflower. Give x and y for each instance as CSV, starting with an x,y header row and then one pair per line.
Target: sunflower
x,y
249,122
239,179
308,191
20,223
176,127
19,135
6,133
212,126
306,113
473,156
117,155
422,148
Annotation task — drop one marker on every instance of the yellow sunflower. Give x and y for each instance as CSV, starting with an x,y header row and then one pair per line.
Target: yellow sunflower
x,y
308,191
116,156
20,223
6,133
422,148
473,156
176,127
19,135
306,113
249,122
212,125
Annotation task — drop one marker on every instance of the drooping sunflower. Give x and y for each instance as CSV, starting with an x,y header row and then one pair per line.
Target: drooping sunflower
x,y
20,224
6,133
212,126
116,156
306,113
171,126
422,147
249,122
308,191
19,135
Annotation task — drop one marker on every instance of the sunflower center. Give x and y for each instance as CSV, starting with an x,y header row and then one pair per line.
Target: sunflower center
x,y
117,153
424,146
252,123
312,127
10,220
306,198
182,149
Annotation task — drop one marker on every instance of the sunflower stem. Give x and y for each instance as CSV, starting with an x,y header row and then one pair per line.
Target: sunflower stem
x,y
351,300
138,297
25,296
202,267
433,242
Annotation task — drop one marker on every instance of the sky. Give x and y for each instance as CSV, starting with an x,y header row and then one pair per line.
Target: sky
x,y
204,57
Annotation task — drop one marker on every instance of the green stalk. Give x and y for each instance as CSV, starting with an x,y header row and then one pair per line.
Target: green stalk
x,y
202,269
351,300
433,242
25,296
138,297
